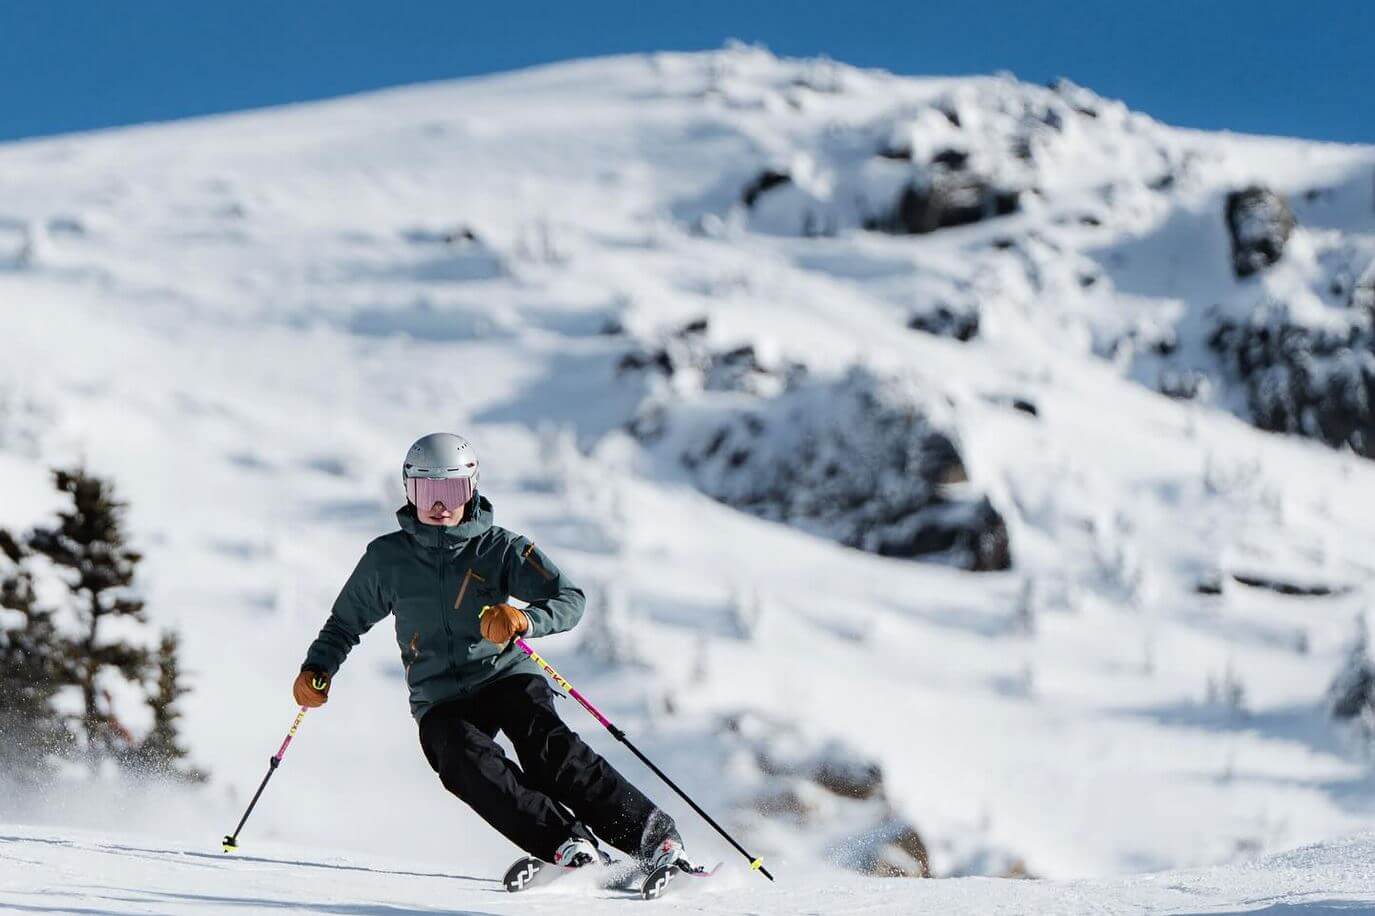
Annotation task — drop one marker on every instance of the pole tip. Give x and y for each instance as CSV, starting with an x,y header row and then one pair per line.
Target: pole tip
x,y
229,844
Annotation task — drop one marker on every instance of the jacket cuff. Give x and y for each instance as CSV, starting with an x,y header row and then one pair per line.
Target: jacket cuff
x,y
540,620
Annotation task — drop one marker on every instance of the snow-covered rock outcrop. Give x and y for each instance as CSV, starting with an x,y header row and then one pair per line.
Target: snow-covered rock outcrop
x,y
862,460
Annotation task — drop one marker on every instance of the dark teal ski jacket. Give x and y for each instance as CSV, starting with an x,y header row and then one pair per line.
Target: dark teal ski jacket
x,y
434,581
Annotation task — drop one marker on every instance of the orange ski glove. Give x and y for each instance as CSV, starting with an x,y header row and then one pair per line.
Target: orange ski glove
x,y
500,623
311,689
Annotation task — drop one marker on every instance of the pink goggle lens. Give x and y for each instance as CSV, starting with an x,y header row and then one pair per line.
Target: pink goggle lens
x,y
453,492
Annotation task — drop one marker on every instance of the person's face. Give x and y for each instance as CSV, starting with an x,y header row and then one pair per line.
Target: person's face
x,y
439,514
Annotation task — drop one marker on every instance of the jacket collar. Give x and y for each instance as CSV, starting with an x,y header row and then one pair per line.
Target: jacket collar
x,y
477,519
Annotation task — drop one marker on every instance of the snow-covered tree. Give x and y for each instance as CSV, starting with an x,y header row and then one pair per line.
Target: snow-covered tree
x,y
87,643
161,752
88,548
31,730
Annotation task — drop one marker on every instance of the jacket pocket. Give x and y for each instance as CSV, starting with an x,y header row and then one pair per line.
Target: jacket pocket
x,y
412,653
532,560
469,578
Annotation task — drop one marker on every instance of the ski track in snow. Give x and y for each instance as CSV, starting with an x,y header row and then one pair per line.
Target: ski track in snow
x,y
245,319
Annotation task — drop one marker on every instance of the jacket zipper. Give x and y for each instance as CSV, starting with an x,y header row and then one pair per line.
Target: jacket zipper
x,y
448,628
529,557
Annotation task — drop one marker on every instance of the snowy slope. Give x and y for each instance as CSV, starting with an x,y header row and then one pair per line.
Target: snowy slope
x,y
86,872
245,319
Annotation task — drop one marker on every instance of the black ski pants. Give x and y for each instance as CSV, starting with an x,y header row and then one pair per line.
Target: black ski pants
x,y
530,804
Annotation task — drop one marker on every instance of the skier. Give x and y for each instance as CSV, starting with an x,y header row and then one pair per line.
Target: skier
x,y
447,576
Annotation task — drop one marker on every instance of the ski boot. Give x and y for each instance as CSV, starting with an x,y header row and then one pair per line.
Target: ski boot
x,y
575,853
662,856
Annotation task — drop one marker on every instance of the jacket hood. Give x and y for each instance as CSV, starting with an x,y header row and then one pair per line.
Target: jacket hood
x,y
478,520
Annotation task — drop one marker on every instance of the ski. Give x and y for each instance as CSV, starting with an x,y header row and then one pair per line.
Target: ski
x,y
661,879
528,872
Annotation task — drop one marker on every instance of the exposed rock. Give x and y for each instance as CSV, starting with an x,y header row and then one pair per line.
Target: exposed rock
x,y
639,360
1260,224
945,321
857,460
764,181
10,547
791,801
1314,382
953,159
1283,587
784,749
829,784
903,856
1210,584
1017,869
975,534
741,368
849,777
946,198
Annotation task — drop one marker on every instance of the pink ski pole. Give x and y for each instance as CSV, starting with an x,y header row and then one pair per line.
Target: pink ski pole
x,y
231,842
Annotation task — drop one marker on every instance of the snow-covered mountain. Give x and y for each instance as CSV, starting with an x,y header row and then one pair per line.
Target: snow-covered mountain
x,y
908,434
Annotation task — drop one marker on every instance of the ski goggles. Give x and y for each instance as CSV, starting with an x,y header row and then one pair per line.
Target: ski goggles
x,y
453,492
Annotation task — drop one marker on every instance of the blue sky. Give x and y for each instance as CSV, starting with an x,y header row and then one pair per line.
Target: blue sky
x,y
1262,66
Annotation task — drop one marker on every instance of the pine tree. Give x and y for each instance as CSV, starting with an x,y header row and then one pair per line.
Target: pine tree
x,y
88,547
31,731
39,658
161,752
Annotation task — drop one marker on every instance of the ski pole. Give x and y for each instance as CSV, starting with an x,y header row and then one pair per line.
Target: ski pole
x,y
755,863
231,842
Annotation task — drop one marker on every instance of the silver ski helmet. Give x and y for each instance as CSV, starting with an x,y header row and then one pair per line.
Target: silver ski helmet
x,y
440,467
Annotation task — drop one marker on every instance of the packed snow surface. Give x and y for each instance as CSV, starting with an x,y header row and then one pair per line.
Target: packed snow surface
x,y
86,872
245,320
